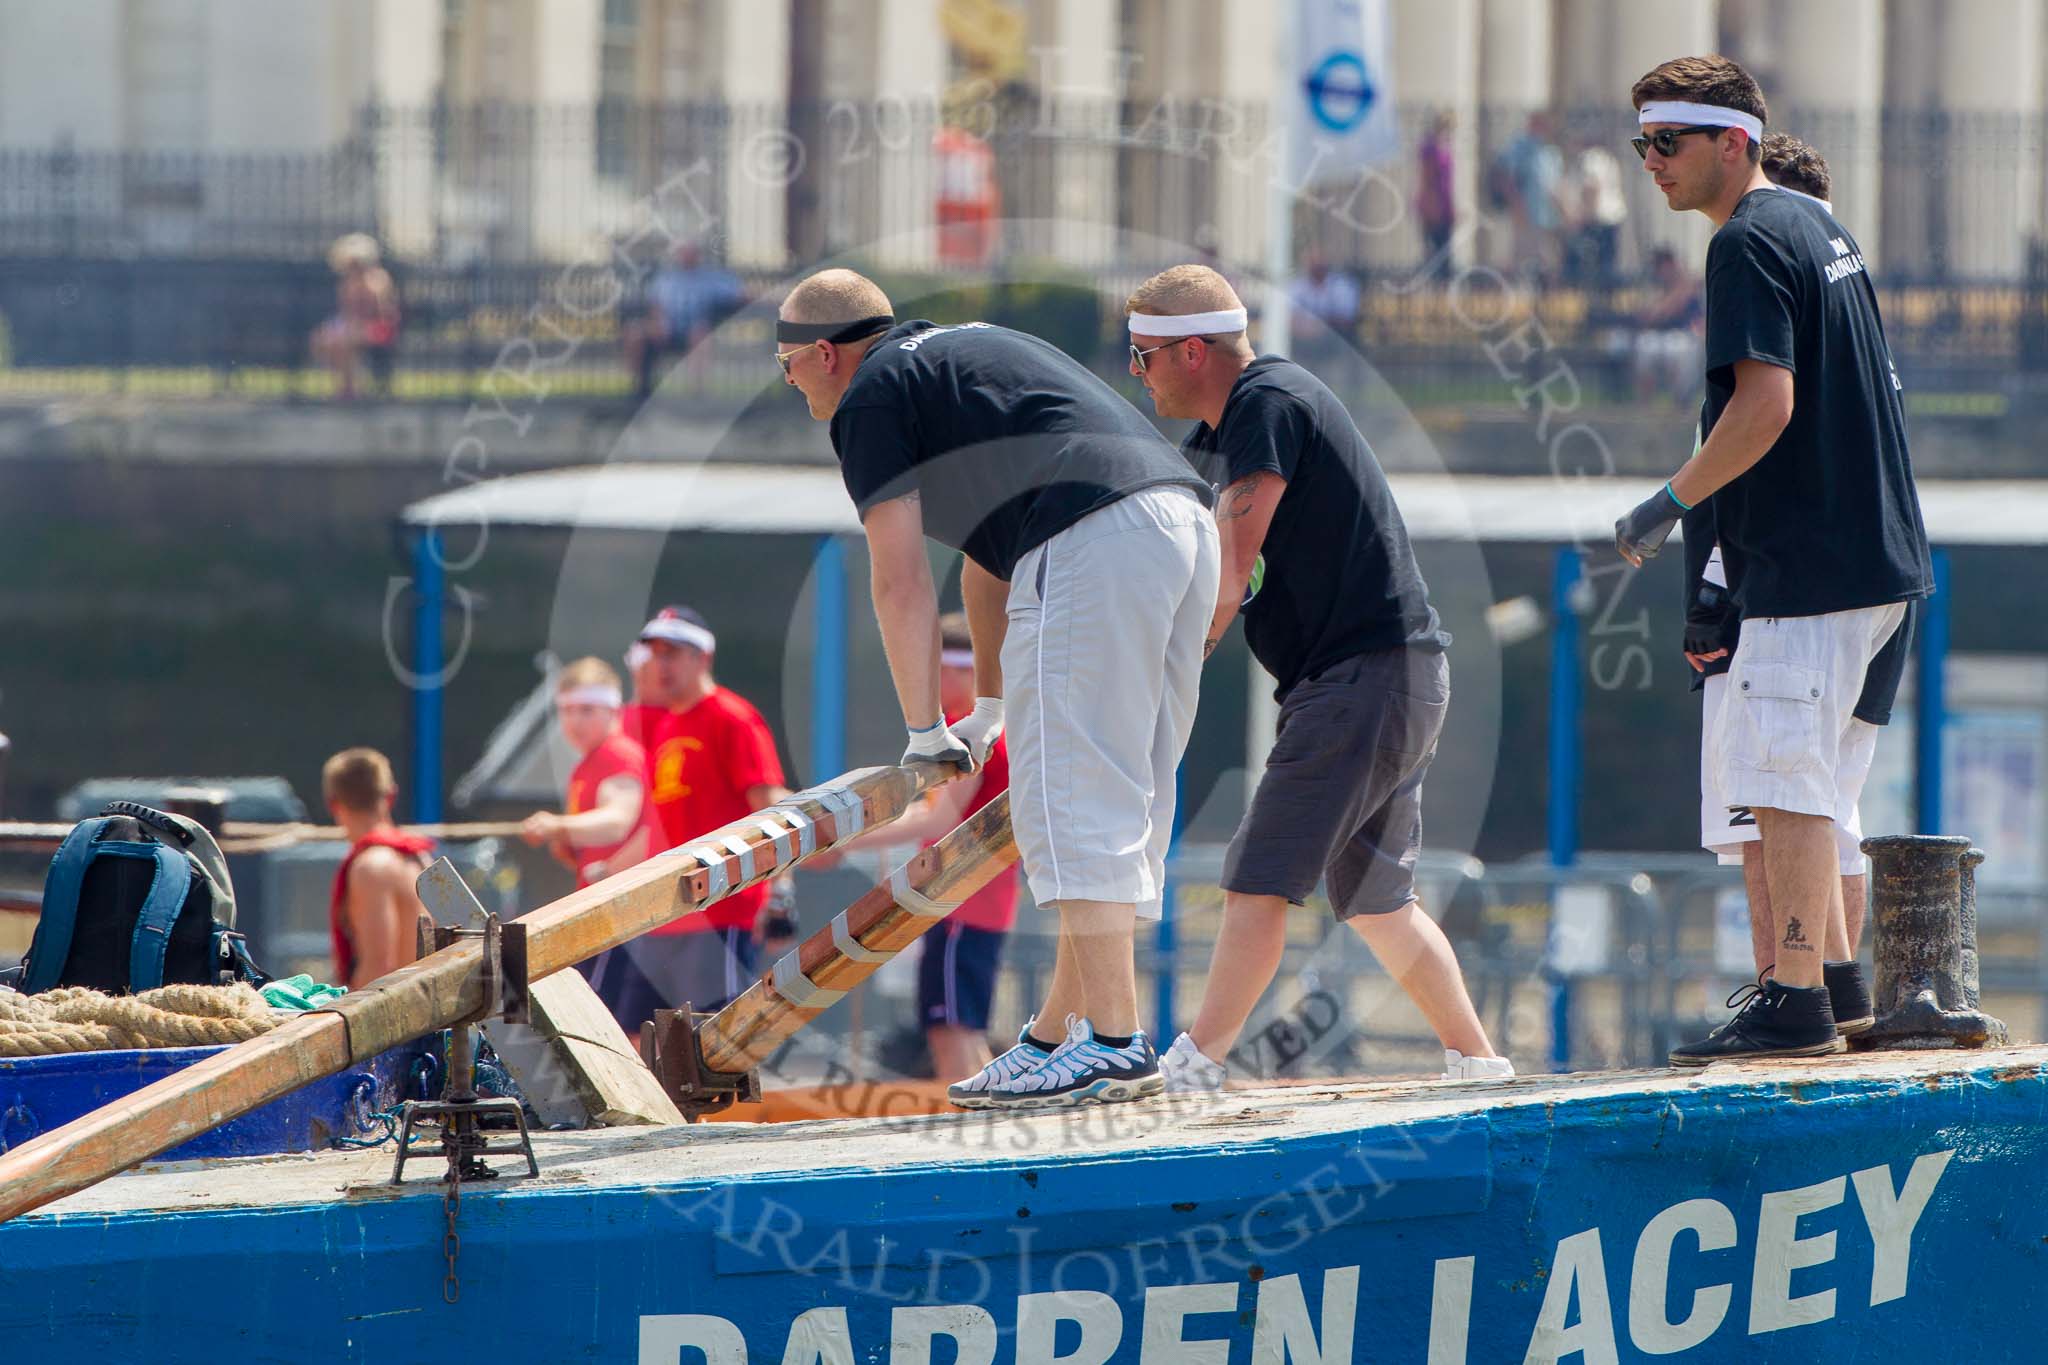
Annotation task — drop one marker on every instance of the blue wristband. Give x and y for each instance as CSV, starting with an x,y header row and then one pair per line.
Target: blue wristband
x,y
1683,506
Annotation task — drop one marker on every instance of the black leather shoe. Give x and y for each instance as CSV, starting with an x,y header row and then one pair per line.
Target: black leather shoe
x,y
1774,1021
1849,997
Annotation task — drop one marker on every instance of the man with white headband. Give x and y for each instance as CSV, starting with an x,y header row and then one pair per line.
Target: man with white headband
x,y
1804,454
711,759
1713,629
1088,576
608,823
1316,559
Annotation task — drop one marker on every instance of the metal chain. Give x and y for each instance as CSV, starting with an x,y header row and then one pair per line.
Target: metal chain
x,y
451,1244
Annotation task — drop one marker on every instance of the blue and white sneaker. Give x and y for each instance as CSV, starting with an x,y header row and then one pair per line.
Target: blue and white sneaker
x,y
1082,1070
1021,1060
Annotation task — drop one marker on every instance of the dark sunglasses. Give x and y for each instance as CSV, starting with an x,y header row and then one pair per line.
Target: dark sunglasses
x,y
1665,140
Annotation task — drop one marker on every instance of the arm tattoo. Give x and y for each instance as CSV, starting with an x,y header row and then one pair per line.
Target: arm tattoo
x,y
1237,499
1209,645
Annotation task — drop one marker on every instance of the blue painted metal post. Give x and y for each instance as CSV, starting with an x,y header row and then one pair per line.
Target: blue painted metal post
x,y
429,602
1930,711
829,665
1563,805
1167,944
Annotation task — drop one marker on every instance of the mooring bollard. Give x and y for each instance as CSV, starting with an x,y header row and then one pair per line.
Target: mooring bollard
x,y
1972,860
1921,894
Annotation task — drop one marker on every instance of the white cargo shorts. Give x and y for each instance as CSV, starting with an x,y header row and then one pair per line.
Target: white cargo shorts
x,y
1102,665
1784,729
1725,829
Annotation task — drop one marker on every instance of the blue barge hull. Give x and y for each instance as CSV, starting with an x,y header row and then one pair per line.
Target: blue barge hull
x,y
1879,1208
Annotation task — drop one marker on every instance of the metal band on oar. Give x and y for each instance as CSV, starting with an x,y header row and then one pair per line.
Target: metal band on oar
x,y
442,990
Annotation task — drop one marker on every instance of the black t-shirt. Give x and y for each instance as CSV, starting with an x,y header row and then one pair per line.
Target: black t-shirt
x,y
1006,438
1339,575
1828,519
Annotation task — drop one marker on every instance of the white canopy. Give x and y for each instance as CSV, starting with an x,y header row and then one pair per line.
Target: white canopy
x,y
811,500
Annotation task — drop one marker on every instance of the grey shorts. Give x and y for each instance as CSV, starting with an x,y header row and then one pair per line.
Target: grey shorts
x,y
1342,794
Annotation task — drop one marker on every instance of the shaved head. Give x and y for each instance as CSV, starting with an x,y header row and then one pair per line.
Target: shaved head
x,y
1183,289
835,296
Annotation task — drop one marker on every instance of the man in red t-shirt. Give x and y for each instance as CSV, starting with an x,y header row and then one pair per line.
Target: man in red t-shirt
x,y
710,760
374,913
956,975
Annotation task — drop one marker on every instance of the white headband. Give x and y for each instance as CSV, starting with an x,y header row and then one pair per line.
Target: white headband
x,y
680,633
956,658
1714,115
591,694
1188,324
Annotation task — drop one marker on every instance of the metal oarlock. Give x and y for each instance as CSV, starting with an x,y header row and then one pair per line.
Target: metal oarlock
x,y
1923,935
460,1111
669,1047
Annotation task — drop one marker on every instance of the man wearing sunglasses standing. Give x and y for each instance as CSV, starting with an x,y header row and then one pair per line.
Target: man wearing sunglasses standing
x,y
1316,558
1804,454
1089,576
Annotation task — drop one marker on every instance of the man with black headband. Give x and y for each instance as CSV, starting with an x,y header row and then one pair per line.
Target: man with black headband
x,y
1089,575
1804,454
1316,559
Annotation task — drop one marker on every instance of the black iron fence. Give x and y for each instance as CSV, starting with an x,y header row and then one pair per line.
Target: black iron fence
x,y
500,219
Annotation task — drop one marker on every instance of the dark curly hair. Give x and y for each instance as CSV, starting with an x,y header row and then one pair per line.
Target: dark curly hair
x,y
1796,166
1705,80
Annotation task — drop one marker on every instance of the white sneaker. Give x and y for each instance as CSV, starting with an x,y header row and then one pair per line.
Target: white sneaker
x,y
1459,1067
1084,1071
1187,1070
1020,1060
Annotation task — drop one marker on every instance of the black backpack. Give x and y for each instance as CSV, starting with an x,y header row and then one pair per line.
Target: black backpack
x,y
137,898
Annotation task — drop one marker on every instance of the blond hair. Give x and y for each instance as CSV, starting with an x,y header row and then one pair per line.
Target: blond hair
x,y
358,779
1184,289
590,671
835,295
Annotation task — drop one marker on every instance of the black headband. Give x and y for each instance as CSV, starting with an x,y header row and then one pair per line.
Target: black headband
x,y
838,333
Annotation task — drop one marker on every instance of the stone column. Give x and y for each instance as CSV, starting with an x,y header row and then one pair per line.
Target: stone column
x,y
887,82
1827,92
1436,69
760,158
404,68
1988,85
1516,75
564,203
1069,176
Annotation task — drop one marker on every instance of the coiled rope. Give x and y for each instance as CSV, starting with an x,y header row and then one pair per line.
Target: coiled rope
x,y
74,1019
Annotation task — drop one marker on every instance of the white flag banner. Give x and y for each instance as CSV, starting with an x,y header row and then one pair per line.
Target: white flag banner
x,y
1342,95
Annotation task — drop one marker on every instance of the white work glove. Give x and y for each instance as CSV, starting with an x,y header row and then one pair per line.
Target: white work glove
x,y
937,745
980,728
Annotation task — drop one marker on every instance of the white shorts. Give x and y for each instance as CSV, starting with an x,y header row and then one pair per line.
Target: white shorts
x,y
1102,665
1783,733
1724,829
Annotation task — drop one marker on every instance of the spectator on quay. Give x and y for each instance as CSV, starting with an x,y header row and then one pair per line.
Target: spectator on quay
x,y
1666,350
686,300
1323,320
364,328
1598,209
1527,177
956,975
1436,206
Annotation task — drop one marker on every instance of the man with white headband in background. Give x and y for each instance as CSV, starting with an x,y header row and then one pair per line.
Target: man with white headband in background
x,y
711,759
1316,558
1804,454
1089,574
1713,628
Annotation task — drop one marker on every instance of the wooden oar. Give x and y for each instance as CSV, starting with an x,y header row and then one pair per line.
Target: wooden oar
x,y
447,987
814,975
